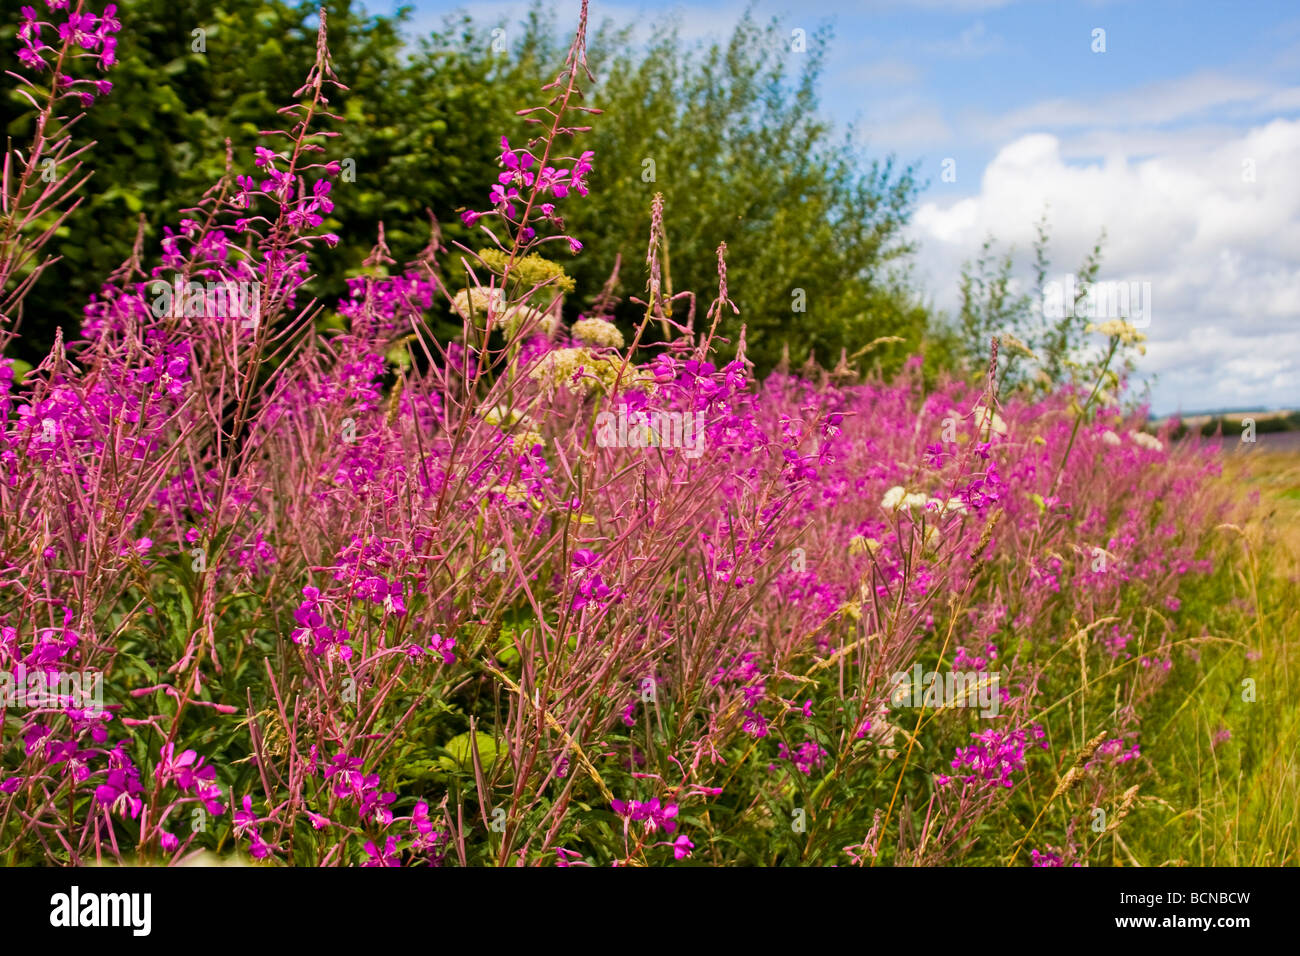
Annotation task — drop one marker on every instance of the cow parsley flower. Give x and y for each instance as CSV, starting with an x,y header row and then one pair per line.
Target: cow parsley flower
x,y
598,332
1118,328
897,498
988,422
479,300
1146,441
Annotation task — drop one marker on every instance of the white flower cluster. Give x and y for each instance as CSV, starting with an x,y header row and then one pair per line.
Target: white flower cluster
x,y
479,300
1137,437
526,317
897,498
988,422
1146,441
880,731
951,506
1014,344
577,370
502,415
598,332
482,301
860,544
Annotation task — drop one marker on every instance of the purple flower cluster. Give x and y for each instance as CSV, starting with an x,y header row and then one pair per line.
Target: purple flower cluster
x,y
183,490
590,588
312,627
651,813
993,758
806,758
520,184
363,788
189,773
81,31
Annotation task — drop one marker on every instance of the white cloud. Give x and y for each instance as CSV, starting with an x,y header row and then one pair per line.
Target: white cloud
x,y
1181,98
974,41
1222,253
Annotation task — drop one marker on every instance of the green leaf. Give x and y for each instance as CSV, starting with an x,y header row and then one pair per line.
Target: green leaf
x,y
460,756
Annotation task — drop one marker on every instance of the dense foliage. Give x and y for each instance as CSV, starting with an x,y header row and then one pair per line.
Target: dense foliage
x,y
730,132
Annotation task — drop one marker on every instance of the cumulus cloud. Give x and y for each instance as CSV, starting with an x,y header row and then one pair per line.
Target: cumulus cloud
x,y
1214,228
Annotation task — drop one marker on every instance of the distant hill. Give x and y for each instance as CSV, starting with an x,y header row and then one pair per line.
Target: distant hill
x,y
1237,412
1266,420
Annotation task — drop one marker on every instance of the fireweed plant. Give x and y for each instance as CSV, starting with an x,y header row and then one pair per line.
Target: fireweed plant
x,y
360,597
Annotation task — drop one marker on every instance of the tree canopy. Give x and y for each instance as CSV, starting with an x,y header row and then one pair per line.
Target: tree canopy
x,y
729,133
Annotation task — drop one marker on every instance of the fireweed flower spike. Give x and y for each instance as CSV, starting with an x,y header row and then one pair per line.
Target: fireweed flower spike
x,y
534,178
55,78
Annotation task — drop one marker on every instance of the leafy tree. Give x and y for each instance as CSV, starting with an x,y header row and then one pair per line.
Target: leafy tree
x,y
192,74
1037,351
813,229
734,142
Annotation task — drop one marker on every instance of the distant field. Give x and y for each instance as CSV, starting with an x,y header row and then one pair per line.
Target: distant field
x,y
1274,422
1270,467
1259,416
1266,443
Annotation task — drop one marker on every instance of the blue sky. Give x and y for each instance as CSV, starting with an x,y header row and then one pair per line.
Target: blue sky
x,y
1182,140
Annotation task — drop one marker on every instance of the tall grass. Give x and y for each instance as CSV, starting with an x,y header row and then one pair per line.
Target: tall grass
x,y
1229,767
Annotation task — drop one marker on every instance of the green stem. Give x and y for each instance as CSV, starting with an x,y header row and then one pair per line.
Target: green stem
x,y
1078,419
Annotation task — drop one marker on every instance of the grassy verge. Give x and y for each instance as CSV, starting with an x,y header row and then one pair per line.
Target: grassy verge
x,y
1227,773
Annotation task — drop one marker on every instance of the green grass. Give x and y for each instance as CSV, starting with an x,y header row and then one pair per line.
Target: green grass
x,y
1234,802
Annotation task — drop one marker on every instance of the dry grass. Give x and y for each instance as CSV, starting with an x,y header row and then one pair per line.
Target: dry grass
x,y
1236,802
